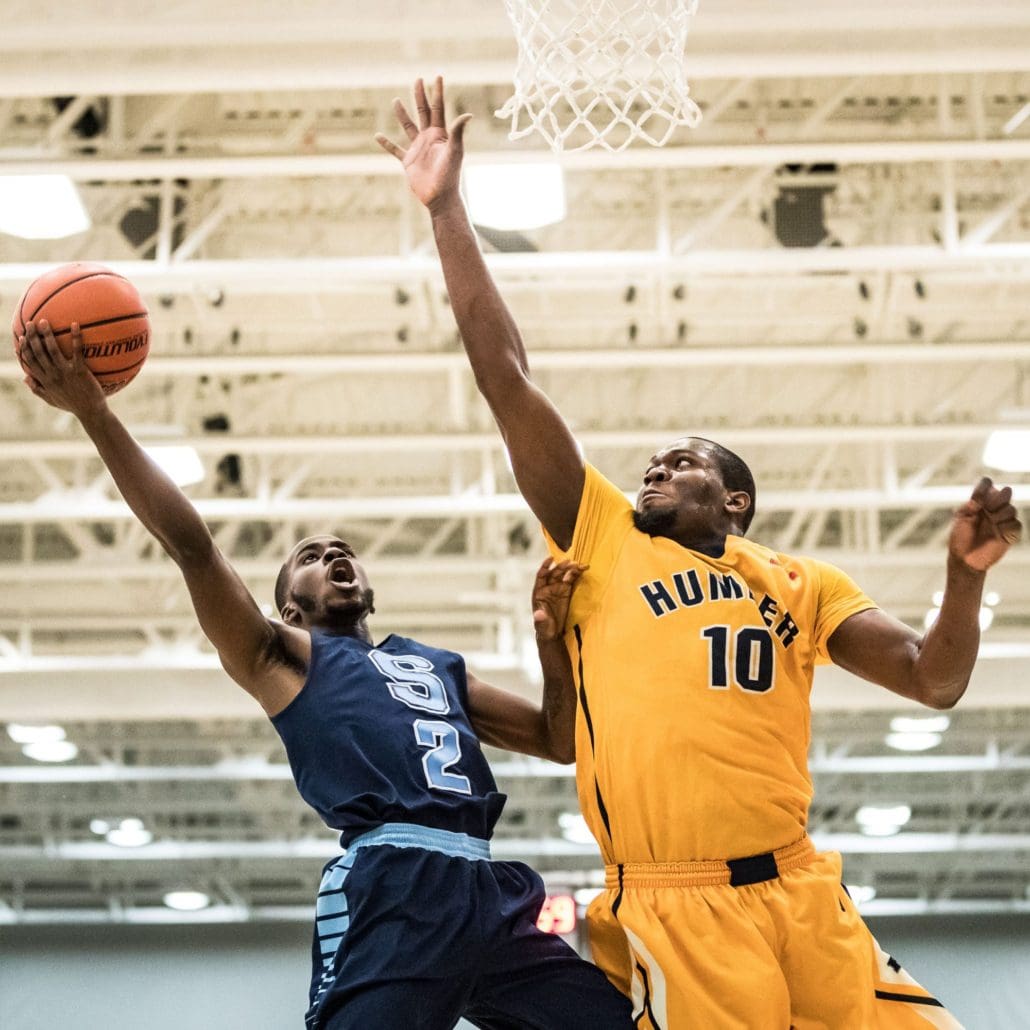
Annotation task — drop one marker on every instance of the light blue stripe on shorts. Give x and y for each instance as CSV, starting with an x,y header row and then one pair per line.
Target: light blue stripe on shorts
x,y
408,835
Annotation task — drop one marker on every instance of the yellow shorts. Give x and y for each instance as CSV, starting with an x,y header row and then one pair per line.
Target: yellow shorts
x,y
783,949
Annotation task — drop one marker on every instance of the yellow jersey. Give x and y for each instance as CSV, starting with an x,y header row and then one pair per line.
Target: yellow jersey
x,y
693,675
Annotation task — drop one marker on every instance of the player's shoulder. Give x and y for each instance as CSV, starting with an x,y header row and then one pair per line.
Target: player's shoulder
x,y
800,565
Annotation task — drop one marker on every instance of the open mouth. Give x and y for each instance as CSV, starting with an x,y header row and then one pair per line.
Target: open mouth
x,y
341,573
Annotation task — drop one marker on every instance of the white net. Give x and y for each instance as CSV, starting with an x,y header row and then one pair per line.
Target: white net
x,y
600,72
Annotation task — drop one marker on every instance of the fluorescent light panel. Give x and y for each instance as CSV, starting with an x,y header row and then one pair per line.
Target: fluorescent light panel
x,y
181,463
514,197
41,207
1008,450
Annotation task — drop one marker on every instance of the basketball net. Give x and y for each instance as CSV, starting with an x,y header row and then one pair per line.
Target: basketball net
x,y
600,72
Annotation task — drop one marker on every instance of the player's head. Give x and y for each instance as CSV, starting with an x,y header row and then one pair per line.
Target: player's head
x,y
323,585
694,487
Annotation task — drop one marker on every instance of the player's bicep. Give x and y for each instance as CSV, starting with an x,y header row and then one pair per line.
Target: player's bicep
x,y
545,458
879,648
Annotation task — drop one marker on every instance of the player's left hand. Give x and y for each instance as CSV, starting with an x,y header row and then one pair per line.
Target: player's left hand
x,y
985,527
552,592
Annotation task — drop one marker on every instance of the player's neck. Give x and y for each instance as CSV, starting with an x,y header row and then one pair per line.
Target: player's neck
x,y
356,628
705,539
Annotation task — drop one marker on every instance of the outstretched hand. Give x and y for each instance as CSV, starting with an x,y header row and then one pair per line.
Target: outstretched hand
x,y
985,527
552,592
432,161
63,382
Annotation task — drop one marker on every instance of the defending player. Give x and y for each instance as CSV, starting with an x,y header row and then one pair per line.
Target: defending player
x,y
694,651
415,925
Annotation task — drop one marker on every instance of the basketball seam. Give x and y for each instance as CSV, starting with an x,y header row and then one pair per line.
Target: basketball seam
x,y
63,286
122,368
103,321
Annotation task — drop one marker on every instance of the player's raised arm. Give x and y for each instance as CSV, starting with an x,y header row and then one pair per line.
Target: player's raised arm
x,y
547,730
546,461
245,640
935,668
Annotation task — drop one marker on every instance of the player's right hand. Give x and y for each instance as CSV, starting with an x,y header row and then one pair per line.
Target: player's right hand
x,y
62,382
432,161
552,592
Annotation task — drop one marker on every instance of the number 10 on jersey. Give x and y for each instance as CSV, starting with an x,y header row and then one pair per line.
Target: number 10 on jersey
x,y
747,652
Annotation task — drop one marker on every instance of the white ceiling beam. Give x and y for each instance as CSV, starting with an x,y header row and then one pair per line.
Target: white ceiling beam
x,y
342,275
107,70
514,768
76,508
435,443
503,848
751,155
127,570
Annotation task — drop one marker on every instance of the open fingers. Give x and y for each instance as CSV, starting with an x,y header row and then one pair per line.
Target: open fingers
x,y
389,146
436,118
401,113
422,105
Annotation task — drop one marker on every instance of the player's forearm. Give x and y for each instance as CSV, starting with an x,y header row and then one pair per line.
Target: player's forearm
x,y
559,700
949,648
154,499
491,338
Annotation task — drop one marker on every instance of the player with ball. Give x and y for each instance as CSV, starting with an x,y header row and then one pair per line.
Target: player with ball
x,y
416,925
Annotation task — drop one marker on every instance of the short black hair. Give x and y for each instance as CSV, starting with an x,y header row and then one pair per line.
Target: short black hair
x,y
735,474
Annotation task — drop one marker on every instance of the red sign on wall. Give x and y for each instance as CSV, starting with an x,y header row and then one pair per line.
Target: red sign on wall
x,y
558,914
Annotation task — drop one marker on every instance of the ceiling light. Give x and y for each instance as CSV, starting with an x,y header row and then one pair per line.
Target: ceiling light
x,y
920,723
129,833
861,893
985,618
186,901
574,828
515,197
1008,450
21,733
882,821
182,463
913,741
50,750
41,207
99,826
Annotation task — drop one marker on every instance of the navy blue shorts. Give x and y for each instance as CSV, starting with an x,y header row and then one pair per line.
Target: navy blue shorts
x,y
416,928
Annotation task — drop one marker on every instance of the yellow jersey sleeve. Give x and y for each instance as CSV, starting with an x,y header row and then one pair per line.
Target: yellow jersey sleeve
x,y
839,598
604,520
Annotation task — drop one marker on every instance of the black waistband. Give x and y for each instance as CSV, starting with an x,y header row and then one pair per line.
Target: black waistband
x,y
753,869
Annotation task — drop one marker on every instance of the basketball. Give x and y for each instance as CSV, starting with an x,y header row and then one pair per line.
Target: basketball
x,y
110,312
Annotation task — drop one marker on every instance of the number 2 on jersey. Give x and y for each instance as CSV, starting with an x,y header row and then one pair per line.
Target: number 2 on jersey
x,y
751,648
411,680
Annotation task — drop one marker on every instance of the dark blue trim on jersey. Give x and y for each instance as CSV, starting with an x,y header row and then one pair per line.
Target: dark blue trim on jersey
x,y
911,999
590,730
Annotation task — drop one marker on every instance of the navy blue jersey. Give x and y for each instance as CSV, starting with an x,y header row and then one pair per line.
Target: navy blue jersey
x,y
380,734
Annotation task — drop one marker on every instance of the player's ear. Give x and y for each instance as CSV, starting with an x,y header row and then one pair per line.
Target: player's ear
x,y
738,502
290,615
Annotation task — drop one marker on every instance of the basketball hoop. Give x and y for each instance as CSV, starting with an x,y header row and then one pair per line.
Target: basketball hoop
x,y
600,72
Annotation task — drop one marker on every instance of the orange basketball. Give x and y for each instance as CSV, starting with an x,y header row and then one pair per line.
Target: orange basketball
x,y
110,312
